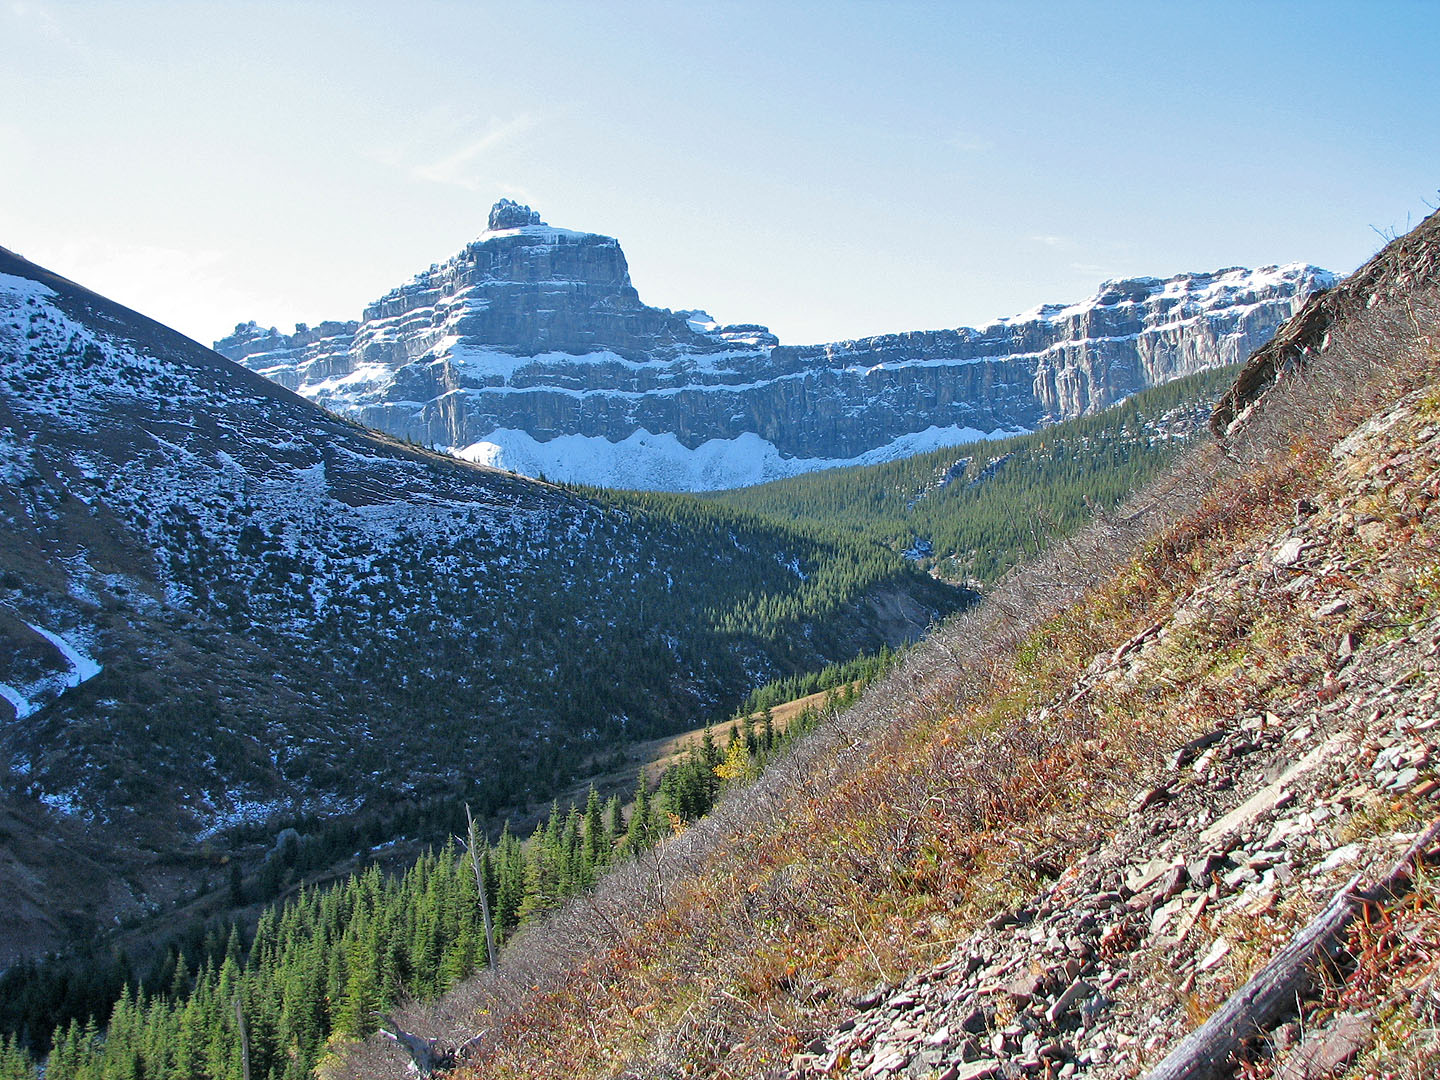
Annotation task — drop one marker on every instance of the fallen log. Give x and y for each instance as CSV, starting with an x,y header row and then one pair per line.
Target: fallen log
x,y
428,1056
1208,1052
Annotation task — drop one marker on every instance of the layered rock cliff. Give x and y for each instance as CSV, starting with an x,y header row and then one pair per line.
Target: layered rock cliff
x,y
530,349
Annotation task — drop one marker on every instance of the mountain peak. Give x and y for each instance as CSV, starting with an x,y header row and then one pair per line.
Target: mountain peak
x,y
507,214
534,336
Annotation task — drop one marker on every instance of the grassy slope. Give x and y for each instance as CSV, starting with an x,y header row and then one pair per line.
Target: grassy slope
x,y
994,760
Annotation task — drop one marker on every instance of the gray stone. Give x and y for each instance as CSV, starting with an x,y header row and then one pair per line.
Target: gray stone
x,y
540,330
1326,1053
1024,987
1288,553
975,1070
1094,1007
1405,779
1199,870
1076,991
974,1022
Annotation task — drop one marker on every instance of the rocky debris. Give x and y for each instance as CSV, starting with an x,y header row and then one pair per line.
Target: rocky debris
x,y
538,330
1247,831
1326,1053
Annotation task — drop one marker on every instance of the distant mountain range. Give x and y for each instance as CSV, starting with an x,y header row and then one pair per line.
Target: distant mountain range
x,y
224,611
530,350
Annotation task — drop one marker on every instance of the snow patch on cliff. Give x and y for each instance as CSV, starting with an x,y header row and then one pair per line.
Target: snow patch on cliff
x,y
22,705
661,462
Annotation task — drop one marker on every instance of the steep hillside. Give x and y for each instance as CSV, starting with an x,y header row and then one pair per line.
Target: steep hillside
x,y
224,611
531,350
969,513
1077,821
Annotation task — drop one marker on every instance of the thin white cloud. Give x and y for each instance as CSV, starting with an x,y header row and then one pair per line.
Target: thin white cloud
x,y
1053,241
38,18
466,167
969,144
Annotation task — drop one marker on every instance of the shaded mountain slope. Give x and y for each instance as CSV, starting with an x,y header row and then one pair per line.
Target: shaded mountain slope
x,y
1077,819
223,610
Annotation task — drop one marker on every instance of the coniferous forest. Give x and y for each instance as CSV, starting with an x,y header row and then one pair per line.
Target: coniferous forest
x,y
969,513
328,962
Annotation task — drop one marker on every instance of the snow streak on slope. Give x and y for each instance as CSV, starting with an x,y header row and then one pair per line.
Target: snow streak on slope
x,y
82,667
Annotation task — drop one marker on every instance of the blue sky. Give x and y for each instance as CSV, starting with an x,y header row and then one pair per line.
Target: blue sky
x,y
830,169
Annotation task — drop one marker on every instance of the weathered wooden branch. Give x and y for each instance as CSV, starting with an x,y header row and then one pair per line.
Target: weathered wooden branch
x,y
1208,1052
423,1056
463,1050
244,1039
428,1056
472,842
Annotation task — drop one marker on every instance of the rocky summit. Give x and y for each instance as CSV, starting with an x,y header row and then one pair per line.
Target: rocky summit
x,y
531,350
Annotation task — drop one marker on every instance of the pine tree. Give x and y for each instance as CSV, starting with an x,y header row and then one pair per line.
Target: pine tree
x,y
640,832
596,849
510,889
615,829
15,1063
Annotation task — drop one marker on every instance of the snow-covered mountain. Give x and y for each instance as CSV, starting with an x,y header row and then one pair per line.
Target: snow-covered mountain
x,y
222,608
530,350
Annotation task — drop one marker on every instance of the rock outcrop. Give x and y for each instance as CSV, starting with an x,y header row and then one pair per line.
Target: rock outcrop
x,y
533,337
1399,274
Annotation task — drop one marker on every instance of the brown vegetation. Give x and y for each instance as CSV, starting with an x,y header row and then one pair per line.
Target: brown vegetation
x,y
1002,751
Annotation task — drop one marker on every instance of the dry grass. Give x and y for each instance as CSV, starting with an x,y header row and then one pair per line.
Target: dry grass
x,y
660,754
978,770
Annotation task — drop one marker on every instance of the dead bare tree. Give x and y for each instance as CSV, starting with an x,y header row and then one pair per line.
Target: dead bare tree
x,y
472,844
428,1056
244,1039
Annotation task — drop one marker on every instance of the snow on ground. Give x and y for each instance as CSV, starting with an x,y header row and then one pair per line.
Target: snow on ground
x,y
68,803
1203,290
241,811
83,668
31,697
700,321
20,288
363,377
22,705
662,463
233,809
